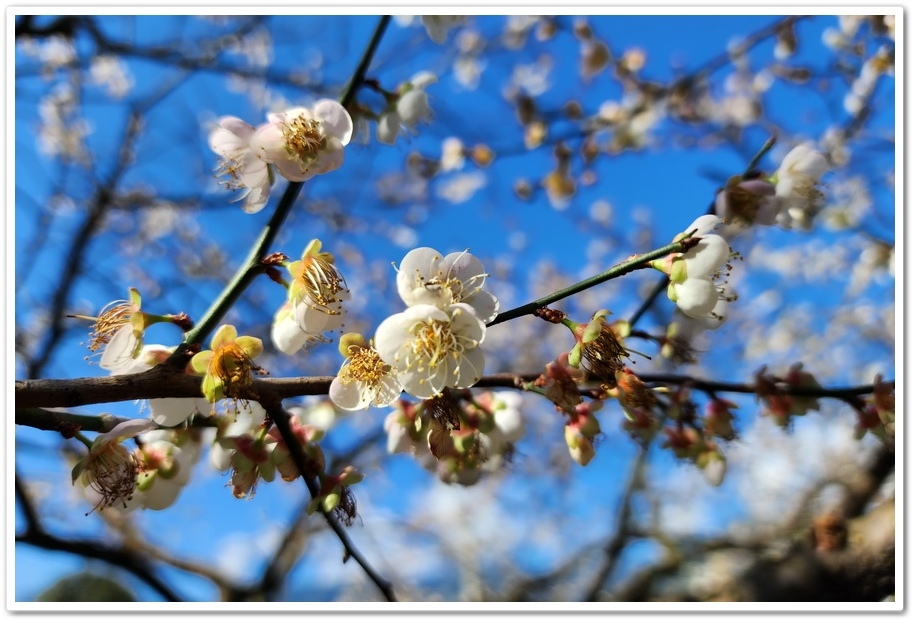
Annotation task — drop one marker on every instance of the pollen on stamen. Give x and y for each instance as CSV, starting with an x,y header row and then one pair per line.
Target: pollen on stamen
x,y
365,365
323,283
114,316
303,137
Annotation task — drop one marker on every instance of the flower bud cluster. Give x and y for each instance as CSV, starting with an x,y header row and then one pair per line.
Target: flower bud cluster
x,y
458,438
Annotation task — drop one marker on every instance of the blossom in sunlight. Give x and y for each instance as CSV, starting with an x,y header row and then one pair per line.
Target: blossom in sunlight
x,y
119,330
697,275
798,182
409,107
508,422
433,348
304,142
166,462
437,26
240,165
364,379
228,365
316,295
243,447
425,277
286,334
109,471
250,461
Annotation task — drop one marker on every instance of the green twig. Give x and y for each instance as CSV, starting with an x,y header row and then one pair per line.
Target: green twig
x,y
635,263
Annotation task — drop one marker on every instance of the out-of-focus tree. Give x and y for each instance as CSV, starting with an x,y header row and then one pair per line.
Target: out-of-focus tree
x,y
637,343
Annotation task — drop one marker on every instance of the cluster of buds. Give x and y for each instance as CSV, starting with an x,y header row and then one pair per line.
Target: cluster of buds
x,y
775,392
692,444
560,384
877,415
457,436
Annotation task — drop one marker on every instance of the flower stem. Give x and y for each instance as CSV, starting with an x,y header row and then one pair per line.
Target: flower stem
x,y
251,267
767,146
635,263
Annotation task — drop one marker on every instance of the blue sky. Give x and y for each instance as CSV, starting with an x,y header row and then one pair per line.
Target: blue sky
x,y
660,190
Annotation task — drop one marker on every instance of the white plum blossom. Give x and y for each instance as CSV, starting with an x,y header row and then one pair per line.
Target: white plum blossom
x,y
409,108
425,277
108,473
244,170
694,274
364,379
286,333
798,186
304,142
314,304
433,348
166,463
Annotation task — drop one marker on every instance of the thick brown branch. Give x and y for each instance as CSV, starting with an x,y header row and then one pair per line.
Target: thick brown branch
x,y
167,382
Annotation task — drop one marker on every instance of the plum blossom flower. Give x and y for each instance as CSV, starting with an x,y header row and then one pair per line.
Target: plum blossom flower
x,y
285,332
364,379
109,471
119,329
315,301
166,460
228,365
240,165
304,142
408,107
425,277
694,274
433,348
798,186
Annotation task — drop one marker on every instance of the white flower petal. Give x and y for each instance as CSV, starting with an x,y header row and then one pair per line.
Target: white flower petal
x,y
696,297
348,396
334,119
707,256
